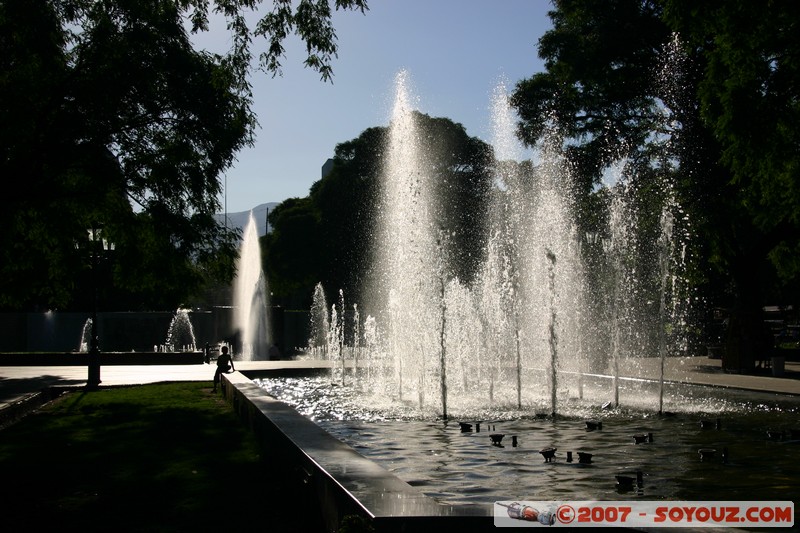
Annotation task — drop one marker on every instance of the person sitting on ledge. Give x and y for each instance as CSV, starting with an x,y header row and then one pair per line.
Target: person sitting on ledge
x,y
224,364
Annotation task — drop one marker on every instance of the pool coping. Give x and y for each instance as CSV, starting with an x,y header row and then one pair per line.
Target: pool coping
x,y
344,482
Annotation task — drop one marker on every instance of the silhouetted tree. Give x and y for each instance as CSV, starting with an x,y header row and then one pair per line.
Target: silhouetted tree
x,y
344,204
734,154
748,97
109,116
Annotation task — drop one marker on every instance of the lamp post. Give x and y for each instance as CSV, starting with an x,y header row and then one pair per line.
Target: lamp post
x,y
97,245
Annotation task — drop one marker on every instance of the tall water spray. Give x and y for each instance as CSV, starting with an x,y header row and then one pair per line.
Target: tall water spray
x,y
406,278
534,225
549,304
86,336
441,337
250,298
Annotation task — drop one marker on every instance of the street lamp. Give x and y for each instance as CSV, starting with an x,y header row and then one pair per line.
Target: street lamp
x,y
97,246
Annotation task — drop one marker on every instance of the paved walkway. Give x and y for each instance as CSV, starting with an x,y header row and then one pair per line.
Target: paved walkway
x,y
20,382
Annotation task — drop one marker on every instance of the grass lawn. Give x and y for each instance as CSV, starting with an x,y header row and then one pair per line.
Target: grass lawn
x,y
160,457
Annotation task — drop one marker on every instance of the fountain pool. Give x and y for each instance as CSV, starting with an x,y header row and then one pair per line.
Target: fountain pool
x,y
756,437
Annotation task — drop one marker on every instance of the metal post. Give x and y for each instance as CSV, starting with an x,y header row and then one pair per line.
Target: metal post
x,y
94,350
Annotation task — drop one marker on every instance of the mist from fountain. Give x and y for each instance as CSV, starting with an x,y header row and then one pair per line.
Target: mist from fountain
x,y
250,297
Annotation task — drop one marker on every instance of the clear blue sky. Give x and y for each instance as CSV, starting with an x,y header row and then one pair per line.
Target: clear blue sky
x,y
456,52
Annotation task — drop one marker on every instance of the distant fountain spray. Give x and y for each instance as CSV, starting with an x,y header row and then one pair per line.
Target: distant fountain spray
x,y
180,335
86,336
320,324
251,307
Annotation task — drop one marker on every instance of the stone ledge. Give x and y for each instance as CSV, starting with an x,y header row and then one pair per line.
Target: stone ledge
x,y
344,481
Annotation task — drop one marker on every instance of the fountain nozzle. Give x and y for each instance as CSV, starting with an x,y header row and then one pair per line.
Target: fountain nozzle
x,y
497,438
706,453
548,454
591,425
626,482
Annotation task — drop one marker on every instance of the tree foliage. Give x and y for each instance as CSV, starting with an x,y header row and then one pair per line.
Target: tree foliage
x,y
598,82
750,99
345,203
111,118
732,129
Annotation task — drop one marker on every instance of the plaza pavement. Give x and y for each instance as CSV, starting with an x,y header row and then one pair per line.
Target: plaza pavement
x,y
19,384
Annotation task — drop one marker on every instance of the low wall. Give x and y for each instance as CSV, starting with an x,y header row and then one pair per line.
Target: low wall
x,y
114,358
343,482
140,331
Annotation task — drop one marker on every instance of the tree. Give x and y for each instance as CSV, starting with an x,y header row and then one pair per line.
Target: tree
x,y
345,204
749,99
603,89
291,251
598,83
111,118
346,200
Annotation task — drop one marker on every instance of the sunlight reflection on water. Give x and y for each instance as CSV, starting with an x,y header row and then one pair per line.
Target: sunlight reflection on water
x,y
459,467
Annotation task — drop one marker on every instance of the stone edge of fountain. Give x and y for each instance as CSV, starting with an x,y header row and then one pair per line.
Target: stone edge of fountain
x,y
344,482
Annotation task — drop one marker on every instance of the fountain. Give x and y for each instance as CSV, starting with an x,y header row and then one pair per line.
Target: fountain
x,y
180,335
250,297
320,324
536,296
560,341
86,336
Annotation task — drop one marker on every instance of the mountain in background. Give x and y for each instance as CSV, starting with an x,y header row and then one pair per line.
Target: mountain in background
x,y
239,220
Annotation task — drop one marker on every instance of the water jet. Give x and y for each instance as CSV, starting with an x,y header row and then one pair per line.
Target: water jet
x,y
180,335
250,297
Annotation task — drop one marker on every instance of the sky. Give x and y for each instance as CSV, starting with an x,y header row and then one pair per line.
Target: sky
x,y
455,53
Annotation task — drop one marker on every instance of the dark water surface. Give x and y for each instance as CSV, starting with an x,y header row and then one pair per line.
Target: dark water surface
x,y
761,433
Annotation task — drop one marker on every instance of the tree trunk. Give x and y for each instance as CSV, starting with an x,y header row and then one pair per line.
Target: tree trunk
x,y
747,340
